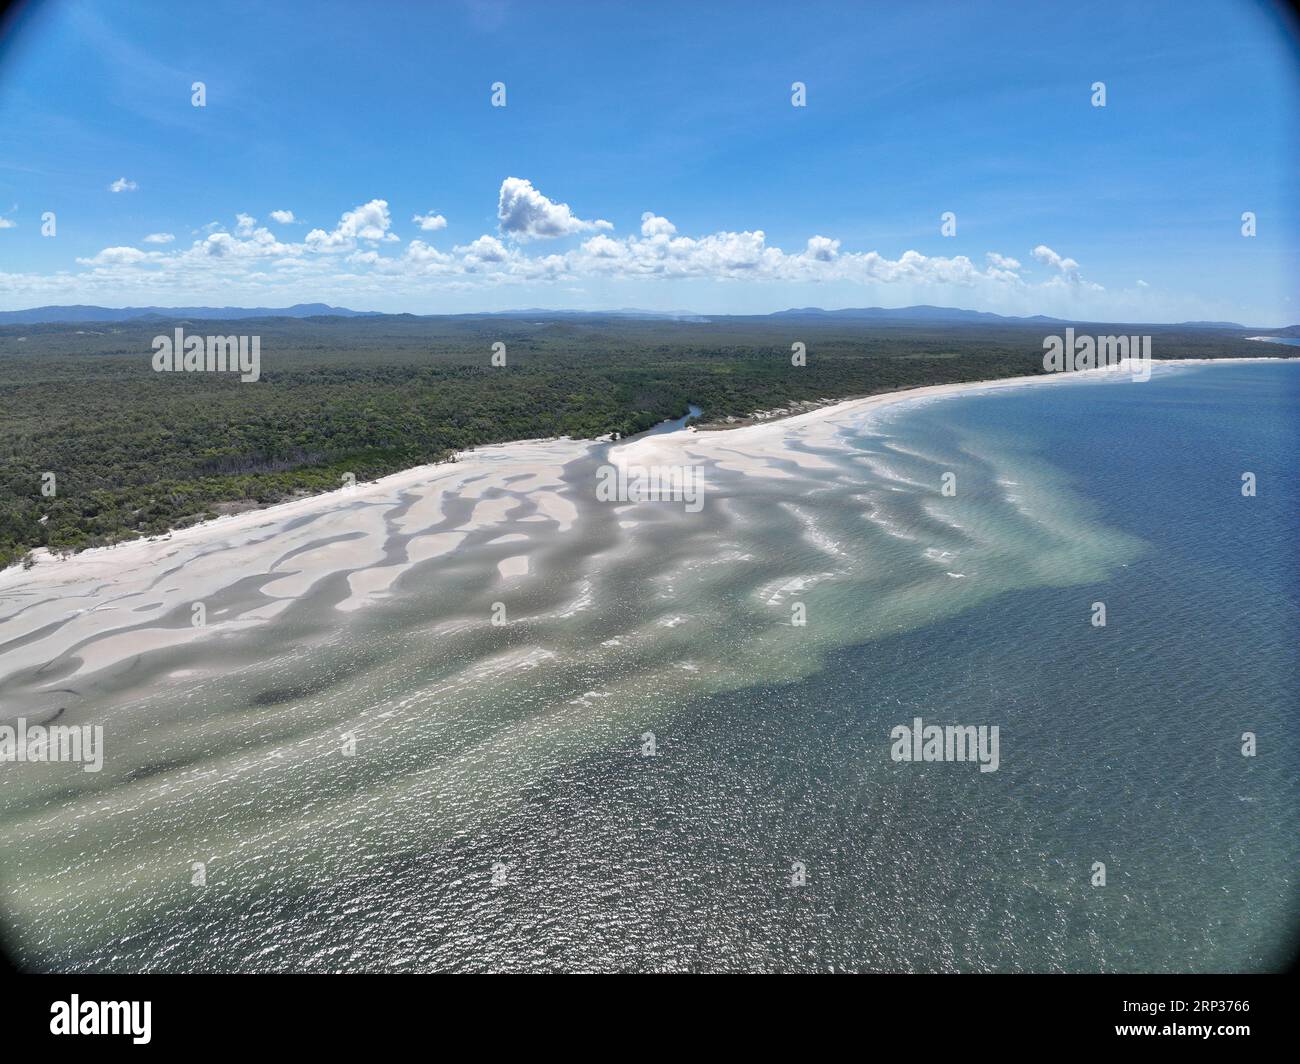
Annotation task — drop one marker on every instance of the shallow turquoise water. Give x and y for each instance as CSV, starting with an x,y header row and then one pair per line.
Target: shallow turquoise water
x,y
1118,744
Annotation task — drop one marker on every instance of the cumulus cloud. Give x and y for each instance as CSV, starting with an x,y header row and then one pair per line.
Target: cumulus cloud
x,y
7,223
719,254
525,214
1068,267
484,249
283,217
725,255
1143,284
821,248
430,222
360,255
369,222
118,256
223,245
747,255
1067,276
653,225
123,185
420,253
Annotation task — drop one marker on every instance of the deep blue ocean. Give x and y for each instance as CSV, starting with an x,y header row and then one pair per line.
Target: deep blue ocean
x,y
772,830
1120,745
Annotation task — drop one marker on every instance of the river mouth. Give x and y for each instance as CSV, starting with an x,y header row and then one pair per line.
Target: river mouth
x,y
370,724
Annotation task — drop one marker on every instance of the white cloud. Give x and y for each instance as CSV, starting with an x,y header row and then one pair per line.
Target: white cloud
x,y
484,249
1068,267
7,223
747,255
525,214
420,253
604,247
720,256
359,259
1143,284
1068,276
822,248
123,185
246,244
430,222
653,225
283,217
118,256
369,222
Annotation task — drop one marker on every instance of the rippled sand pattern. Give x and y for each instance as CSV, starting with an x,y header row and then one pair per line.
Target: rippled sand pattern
x,y
385,675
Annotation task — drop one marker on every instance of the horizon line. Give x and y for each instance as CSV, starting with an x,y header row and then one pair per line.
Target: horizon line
x,y
349,311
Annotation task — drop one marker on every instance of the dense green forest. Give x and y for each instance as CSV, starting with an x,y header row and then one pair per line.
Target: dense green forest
x,y
136,452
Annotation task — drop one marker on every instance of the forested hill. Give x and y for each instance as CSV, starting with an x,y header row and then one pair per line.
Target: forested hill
x,y
137,452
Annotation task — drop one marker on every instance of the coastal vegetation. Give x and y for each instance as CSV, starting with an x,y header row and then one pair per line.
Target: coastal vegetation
x,y
134,452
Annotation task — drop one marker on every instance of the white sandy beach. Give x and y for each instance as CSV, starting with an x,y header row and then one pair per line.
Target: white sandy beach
x,y
97,604
90,595
751,448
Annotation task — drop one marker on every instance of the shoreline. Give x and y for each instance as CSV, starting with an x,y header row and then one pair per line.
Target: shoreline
x,y
68,618
545,451
479,460
764,434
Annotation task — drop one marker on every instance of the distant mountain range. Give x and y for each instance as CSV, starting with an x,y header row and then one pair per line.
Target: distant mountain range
x,y
885,315
920,313
954,315
622,312
79,314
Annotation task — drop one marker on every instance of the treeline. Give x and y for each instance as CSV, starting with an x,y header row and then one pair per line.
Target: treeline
x,y
134,452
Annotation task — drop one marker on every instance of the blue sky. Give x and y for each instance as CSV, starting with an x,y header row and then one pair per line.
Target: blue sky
x,y
649,156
